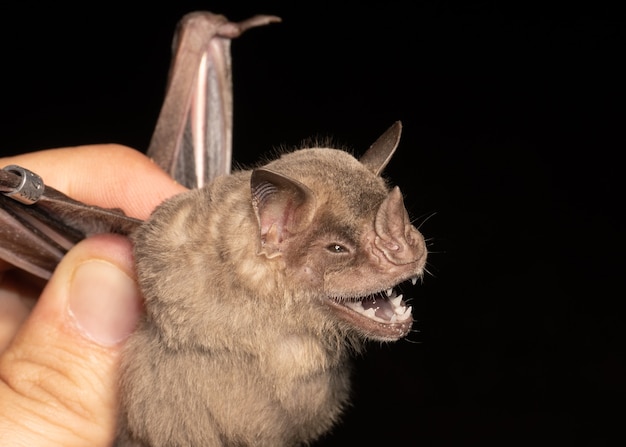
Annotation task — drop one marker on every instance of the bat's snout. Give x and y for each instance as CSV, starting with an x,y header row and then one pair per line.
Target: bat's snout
x,y
400,242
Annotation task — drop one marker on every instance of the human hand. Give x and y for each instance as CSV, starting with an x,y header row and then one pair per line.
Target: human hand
x,y
58,362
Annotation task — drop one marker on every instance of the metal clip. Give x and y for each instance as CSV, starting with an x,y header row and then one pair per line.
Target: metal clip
x,y
30,188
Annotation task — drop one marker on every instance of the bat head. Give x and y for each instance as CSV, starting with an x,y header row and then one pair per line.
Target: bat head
x,y
345,238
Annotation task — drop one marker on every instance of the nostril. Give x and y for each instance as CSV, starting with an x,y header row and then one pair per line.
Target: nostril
x,y
414,237
391,245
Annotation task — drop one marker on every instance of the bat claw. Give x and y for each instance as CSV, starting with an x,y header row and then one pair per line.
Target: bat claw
x,y
232,30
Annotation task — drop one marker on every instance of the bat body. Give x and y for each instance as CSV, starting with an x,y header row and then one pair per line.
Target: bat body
x,y
257,288
257,285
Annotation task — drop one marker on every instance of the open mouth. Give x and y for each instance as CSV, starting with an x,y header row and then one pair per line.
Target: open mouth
x,y
382,315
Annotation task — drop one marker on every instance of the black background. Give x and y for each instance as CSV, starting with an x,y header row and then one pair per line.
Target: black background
x,y
512,144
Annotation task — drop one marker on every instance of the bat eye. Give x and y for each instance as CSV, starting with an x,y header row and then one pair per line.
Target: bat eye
x,y
336,248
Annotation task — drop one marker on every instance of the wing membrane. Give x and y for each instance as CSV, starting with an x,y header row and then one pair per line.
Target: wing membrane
x,y
191,141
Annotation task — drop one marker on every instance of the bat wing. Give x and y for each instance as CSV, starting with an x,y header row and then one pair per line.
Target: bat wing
x,y
40,224
191,141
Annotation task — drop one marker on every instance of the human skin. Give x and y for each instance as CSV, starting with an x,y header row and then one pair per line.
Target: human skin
x,y
60,341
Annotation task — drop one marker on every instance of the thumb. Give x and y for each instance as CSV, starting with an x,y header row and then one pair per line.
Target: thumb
x,y
58,378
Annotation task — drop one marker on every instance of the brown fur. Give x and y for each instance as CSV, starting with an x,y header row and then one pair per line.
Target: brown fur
x,y
245,340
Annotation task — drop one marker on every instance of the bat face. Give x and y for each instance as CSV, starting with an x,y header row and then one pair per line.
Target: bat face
x,y
346,240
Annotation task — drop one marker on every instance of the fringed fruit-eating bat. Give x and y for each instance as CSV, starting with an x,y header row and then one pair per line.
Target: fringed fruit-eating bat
x,y
256,288
257,285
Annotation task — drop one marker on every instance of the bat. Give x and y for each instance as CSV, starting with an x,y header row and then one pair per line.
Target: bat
x,y
258,285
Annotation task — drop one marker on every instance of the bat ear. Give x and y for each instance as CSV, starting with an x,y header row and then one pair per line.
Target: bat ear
x,y
283,207
378,155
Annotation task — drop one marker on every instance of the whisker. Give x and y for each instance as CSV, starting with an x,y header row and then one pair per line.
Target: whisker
x,y
429,273
407,339
426,219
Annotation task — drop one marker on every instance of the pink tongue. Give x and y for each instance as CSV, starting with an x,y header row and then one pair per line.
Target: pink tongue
x,y
380,305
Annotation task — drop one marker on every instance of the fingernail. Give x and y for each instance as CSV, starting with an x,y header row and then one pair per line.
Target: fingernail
x,y
104,302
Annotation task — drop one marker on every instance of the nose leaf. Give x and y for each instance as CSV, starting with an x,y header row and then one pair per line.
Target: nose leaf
x,y
400,241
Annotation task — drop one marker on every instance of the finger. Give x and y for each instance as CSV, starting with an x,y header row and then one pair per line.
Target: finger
x,y
107,175
58,377
18,294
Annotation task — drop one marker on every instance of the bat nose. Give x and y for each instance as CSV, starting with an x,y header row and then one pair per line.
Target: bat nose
x,y
400,241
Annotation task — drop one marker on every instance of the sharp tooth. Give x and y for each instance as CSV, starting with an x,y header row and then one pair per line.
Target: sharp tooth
x,y
404,315
389,291
393,319
414,280
395,302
